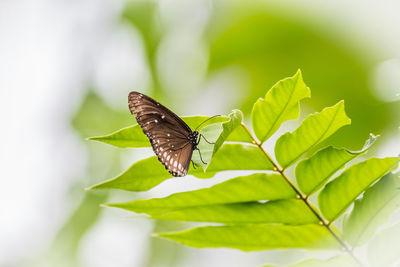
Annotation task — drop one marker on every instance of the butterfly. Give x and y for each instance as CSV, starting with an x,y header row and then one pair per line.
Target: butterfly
x,y
171,138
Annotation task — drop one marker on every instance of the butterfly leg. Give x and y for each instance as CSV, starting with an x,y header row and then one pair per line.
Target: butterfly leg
x,y
194,164
200,156
205,139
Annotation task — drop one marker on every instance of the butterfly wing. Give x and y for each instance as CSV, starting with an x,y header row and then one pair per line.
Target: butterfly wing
x,y
168,134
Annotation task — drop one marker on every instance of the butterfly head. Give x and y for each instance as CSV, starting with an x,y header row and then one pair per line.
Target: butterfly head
x,y
193,138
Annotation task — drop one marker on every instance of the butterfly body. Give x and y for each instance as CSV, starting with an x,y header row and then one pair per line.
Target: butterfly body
x,y
171,138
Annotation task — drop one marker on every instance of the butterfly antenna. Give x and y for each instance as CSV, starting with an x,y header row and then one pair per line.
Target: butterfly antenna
x,y
206,121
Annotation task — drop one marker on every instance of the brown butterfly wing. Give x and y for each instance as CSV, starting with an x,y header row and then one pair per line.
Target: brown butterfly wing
x,y
168,134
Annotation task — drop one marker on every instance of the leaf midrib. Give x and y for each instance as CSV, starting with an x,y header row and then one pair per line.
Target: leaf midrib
x,y
282,111
331,174
348,203
317,141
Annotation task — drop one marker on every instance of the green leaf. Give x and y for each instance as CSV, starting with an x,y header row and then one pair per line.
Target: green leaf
x,y
372,210
284,211
384,249
216,133
145,174
341,260
281,103
338,194
235,157
256,237
228,127
312,173
258,186
133,136
313,130
239,135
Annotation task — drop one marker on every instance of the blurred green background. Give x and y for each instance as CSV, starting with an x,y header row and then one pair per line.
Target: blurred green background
x,y
204,57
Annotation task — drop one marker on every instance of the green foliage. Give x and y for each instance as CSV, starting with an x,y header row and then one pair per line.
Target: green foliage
x,y
145,174
281,103
246,190
133,136
287,211
230,129
312,173
313,130
265,209
373,210
341,192
265,43
256,237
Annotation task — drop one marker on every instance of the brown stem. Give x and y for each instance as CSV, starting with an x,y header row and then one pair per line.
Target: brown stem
x,y
326,224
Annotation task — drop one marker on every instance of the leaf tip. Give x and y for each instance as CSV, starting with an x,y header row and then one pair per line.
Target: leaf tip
x,y
88,188
159,235
96,186
341,105
372,138
162,235
92,138
237,112
299,77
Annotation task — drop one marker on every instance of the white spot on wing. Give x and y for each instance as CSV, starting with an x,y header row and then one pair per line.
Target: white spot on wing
x,y
175,163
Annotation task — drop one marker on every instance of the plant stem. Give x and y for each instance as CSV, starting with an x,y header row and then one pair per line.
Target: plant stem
x,y
304,198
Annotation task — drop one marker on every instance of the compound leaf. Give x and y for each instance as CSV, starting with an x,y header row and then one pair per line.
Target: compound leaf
x,y
145,174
